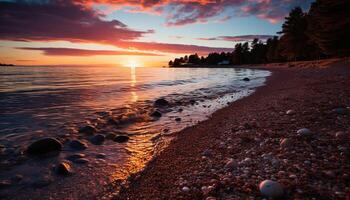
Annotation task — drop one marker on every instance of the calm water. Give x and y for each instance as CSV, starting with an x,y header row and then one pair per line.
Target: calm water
x,y
55,101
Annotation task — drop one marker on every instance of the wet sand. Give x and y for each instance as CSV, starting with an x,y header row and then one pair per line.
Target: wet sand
x,y
228,155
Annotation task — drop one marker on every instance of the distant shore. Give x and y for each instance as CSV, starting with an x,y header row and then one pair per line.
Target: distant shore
x,y
255,138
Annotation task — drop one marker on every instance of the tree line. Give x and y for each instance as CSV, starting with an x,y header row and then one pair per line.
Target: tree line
x,y
322,32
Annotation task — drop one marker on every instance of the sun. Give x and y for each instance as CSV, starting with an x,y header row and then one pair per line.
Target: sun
x,y
132,64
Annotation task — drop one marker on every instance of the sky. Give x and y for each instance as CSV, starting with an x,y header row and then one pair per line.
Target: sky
x,y
139,33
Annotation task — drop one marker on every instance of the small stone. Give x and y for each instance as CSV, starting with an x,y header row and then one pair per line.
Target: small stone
x,y
100,155
178,119
286,143
271,189
75,156
185,189
5,184
304,132
340,111
97,139
156,114
246,79
231,164
63,168
89,129
340,135
290,112
121,138
81,161
78,145
44,146
161,102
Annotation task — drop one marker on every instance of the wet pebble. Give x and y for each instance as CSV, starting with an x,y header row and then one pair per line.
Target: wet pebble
x,y
63,168
89,129
81,161
246,79
156,114
121,138
271,189
78,145
44,146
178,119
161,102
97,139
101,155
75,156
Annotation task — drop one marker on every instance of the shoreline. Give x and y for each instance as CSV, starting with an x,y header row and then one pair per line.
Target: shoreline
x,y
248,132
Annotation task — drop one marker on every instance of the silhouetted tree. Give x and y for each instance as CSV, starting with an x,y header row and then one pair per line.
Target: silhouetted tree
x,y
294,39
329,26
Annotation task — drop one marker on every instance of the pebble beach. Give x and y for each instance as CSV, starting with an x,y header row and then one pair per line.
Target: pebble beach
x,y
288,140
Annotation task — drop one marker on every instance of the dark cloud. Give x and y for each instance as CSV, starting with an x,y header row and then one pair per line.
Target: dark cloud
x,y
84,52
239,38
59,20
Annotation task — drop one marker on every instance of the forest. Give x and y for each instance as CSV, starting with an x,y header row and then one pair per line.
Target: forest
x,y
322,32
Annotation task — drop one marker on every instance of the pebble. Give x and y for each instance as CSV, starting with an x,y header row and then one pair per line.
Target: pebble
x,y
78,145
100,155
185,189
340,111
63,168
89,129
75,156
305,132
161,102
271,189
81,161
290,112
121,138
44,146
246,79
178,119
98,139
340,135
156,114
286,143
4,184
231,164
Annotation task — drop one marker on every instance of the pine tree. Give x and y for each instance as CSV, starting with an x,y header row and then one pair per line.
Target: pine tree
x,y
330,26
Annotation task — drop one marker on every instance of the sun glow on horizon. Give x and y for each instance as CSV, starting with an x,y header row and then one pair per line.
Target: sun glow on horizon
x,y
132,64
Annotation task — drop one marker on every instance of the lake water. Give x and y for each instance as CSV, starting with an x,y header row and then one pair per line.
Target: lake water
x,y
38,102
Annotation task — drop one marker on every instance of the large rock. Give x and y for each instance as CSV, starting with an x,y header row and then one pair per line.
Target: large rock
x,y
89,129
97,139
78,145
161,102
44,146
271,189
121,138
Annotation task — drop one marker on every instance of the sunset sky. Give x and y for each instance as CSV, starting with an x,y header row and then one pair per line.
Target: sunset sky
x,y
137,32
